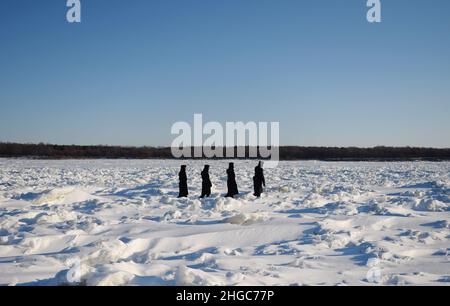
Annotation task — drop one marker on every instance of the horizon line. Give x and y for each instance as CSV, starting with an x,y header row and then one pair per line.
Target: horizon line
x,y
223,147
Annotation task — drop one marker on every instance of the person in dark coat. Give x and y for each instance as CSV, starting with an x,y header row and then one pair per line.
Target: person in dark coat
x,y
206,183
258,180
231,182
183,183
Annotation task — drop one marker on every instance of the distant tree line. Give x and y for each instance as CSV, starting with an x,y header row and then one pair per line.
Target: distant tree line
x,y
74,151
49,151
361,154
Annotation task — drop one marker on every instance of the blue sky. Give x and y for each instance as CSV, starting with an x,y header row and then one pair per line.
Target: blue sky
x,y
133,68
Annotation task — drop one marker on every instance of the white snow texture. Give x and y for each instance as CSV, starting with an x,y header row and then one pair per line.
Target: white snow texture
x,y
119,222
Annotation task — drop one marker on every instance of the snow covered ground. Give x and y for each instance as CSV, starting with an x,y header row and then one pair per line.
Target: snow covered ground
x,y
118,222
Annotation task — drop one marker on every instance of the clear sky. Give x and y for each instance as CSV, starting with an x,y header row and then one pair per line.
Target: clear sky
x,y
132,68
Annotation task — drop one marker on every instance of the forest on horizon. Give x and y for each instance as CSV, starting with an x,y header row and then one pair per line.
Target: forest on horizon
x,y
50,151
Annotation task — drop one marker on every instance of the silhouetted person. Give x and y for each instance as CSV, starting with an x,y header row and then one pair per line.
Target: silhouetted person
x,y
231,182
206,183
183,183
258,180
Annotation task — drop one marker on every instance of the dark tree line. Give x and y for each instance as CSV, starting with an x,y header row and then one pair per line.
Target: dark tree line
x,y
357,154
286,153
74,151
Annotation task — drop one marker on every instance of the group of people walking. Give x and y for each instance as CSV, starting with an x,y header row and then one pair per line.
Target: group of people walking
x,y
258,182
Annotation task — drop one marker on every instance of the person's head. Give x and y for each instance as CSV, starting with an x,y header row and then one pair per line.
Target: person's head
x,y
206,167
260,164
183,167
231,165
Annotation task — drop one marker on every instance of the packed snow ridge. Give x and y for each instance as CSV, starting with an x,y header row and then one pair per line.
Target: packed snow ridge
x,y
120,223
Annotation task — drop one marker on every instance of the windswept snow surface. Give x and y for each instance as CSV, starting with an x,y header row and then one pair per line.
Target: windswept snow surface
x,y
101,222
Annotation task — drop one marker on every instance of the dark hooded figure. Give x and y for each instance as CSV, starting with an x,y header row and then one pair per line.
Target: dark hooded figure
x,y
231,182
258,180
206,183
183,183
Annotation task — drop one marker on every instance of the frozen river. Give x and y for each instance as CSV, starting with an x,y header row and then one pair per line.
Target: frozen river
x,y
118,222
